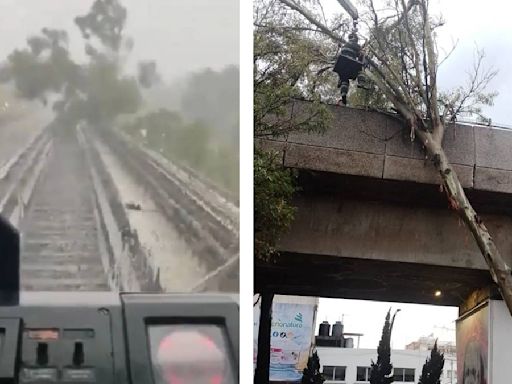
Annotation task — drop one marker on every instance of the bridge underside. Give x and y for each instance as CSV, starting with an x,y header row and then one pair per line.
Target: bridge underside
x,y
351,278
362,238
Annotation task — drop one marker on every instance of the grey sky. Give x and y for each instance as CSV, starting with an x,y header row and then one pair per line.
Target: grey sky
x,y
181,35
367,317
473,23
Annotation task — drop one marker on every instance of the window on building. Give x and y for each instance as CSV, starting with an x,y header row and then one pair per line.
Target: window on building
x,y
339,373
333,372
328,372
404,375
363,374
409,375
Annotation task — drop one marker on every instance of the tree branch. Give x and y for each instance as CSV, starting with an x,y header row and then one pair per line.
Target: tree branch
x,y
308,16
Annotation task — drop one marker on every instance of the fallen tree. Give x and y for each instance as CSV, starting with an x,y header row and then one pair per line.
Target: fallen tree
x,y
402,61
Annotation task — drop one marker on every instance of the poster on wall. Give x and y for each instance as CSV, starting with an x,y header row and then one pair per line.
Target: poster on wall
x,y
290,341
291,336
473,348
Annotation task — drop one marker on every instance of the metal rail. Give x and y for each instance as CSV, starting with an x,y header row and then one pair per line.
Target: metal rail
x,y
74,226
208,224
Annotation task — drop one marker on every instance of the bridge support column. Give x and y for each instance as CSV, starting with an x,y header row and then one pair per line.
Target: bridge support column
x,y
484,339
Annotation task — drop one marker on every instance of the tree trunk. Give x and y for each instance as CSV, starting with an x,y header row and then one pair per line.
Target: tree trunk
x,y
261,375
500,271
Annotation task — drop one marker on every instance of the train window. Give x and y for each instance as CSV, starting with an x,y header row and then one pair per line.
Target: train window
x,y
191,354
111,125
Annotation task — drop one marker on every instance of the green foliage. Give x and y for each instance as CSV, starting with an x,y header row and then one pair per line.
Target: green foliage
x,y
289,53
205,132
96,91
290,85
273,189
193,143
433,368
212,98
147,74
311,374
44,67
369,97
108,94
105,22
382,370
399,46
290,63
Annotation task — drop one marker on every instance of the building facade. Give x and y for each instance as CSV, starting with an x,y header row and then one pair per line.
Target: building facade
x,y
352,365
426,343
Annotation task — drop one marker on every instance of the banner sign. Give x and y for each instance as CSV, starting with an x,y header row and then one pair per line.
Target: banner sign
x,y
291,337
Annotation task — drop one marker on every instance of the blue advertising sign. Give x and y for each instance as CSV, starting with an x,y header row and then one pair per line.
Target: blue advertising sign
x,y
291,338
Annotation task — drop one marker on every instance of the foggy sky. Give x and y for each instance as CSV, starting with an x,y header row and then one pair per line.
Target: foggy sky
x,y
181,35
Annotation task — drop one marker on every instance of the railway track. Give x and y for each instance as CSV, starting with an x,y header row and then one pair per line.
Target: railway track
x,y
207,220
61,242
68,240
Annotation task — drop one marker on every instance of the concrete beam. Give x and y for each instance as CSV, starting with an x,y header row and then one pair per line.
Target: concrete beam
x,y
372,144
477,297
331,226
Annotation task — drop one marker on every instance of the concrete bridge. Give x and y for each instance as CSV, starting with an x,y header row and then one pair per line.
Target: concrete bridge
x,y
372,222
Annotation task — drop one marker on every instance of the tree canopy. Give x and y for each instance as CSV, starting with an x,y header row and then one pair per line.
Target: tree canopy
x,y
312,374
433,367
382,370
286,61
97,90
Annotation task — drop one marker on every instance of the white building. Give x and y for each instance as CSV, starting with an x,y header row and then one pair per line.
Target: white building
x,y
352,365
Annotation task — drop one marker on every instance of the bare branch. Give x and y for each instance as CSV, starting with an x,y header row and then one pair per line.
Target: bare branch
x,y
447,56
415,54
432,72
471,97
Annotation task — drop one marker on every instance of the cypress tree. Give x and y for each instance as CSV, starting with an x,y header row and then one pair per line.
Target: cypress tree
x,y
311,374
382,371
433,367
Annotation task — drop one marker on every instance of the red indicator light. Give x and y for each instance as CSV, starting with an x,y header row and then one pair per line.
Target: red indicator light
x,y
43,334
188,356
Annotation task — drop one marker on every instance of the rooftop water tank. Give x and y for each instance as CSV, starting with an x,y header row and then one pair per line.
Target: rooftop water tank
x,y
337,330
325,329
349,342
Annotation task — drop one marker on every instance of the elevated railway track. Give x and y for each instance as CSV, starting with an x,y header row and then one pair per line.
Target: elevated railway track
x,y
76,230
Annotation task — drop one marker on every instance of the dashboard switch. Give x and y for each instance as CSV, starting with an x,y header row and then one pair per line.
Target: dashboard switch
x,y
78,354
42,354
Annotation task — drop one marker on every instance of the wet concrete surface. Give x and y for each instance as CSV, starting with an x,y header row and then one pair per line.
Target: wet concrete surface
x,y
179,267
